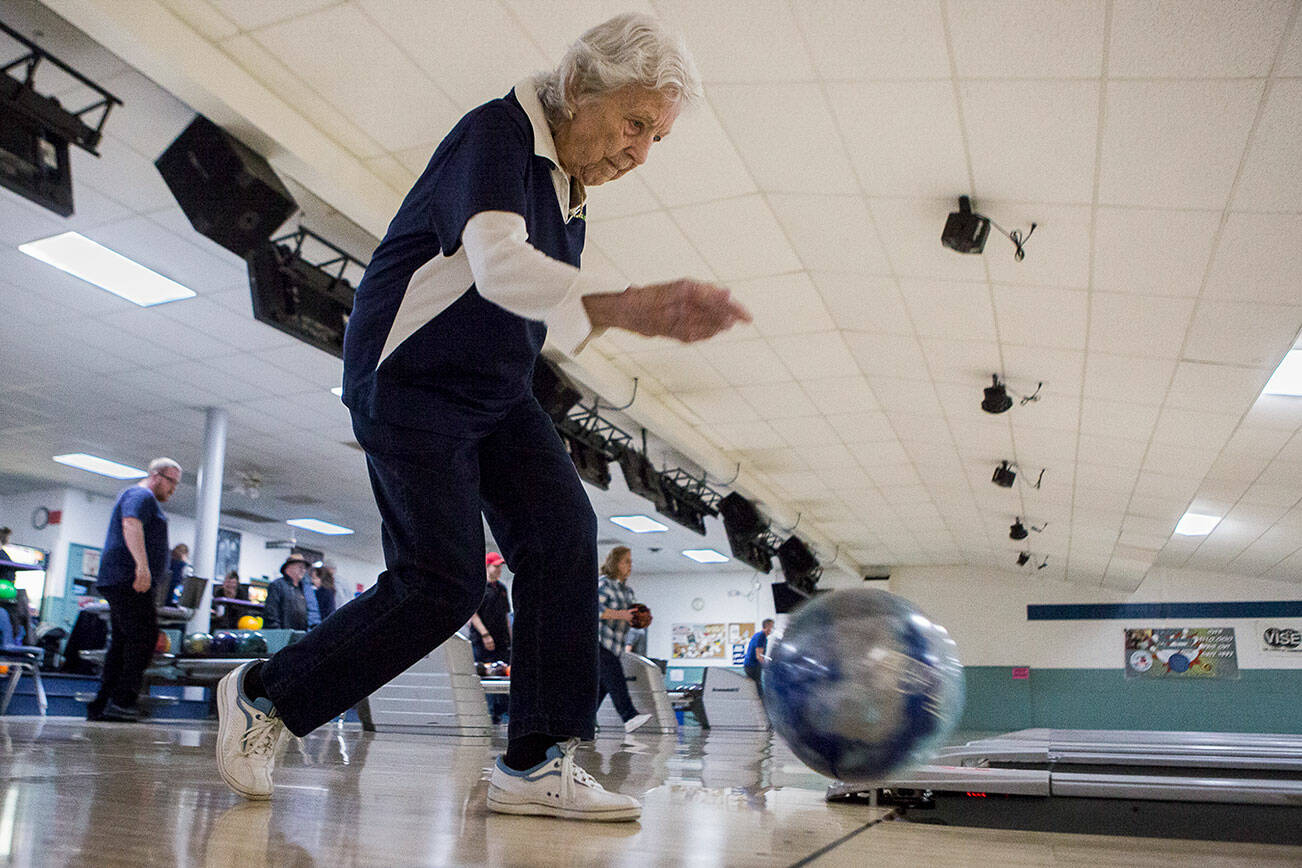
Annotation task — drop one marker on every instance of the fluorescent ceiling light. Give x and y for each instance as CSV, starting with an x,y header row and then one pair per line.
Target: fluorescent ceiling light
x,y
639,523
1193,524
337,391
706,556
94,263
102,466
316,524
1287,379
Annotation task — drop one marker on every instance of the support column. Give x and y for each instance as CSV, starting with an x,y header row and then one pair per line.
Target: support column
x,y
208,503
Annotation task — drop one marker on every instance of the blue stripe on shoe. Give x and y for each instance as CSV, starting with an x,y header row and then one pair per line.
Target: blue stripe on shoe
x,y
529,774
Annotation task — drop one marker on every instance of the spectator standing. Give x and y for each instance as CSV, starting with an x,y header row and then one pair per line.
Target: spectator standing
x,y
287,597
490,628
615,599
131,566
323,585
757,654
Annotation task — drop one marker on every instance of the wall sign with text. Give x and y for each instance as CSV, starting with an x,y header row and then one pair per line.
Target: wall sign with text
x,y
1181,652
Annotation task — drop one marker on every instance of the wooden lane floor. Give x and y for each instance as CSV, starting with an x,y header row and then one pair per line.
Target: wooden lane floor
x,y
76,793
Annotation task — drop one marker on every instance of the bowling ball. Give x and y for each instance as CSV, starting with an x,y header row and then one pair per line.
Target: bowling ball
x,y
8,590
224,642
252,644
163,644
641,616
862,685
197,644
249,622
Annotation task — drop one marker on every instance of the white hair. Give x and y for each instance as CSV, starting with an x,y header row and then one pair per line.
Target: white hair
x,y
158,465
629,49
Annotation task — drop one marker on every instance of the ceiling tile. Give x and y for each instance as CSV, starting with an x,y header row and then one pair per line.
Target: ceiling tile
x,y
840,394
1062,372
1032,140
949,309
1057,253
1110,418
778,400
919,153
1243,333
1223,388
805,431
970,363
1138,325
1193,428
864,303
648,248
816,356
696,163
887,39
1208,119
749,436
1259,258
755,47
762,249
783,305
1041,317
887,355
831,233
1195,38
861,428
395,102
1153,252
1133,379
746,362
1269,180
1062,39
786,136
474,58
621,198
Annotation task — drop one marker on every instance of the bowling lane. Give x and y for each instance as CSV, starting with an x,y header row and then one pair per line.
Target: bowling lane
x,y
141,794
903,843
111,794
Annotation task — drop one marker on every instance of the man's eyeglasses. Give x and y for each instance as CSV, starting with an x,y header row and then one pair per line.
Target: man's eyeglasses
x,y
176,481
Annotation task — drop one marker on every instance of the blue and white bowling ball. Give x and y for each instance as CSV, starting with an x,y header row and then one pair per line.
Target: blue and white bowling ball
x,y
862,685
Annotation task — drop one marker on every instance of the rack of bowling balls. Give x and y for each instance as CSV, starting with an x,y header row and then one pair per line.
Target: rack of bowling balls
x,y
224,643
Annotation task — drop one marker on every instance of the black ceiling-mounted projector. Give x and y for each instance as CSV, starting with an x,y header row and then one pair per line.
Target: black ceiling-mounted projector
x,y
965,231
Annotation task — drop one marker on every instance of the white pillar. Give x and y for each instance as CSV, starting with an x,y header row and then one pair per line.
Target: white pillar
x,y
208,504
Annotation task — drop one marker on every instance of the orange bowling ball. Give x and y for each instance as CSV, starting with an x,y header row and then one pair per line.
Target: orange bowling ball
x,y
249,622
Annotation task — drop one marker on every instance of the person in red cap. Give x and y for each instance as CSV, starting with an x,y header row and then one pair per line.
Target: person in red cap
x,y
490,628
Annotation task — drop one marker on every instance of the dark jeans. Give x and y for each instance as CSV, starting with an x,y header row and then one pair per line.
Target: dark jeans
x,y
613,682
431,489
134,625
755,673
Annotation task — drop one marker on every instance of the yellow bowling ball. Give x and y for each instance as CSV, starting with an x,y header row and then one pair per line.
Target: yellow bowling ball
x,y
250,622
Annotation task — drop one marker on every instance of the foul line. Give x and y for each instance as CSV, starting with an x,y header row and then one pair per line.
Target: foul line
x,y
890,815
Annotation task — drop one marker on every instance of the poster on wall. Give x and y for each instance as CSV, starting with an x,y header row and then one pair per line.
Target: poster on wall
x,y
699,641
1181,652
1279,637
90,562
738,638
228,553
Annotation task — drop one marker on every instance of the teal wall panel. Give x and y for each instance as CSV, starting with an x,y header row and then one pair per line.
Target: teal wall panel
x,y
1260,700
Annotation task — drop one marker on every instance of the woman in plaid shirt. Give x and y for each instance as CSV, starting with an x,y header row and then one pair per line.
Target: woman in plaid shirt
x,y
615,600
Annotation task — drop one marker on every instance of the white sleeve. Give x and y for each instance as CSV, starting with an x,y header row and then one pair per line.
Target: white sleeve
x,y
512,273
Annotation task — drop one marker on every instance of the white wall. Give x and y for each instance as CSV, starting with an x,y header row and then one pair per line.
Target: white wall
x,y
726,597
985,611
